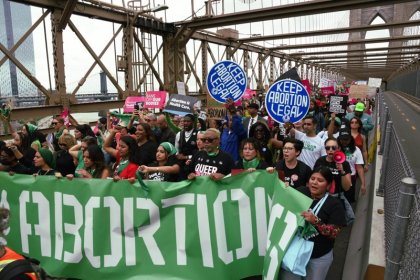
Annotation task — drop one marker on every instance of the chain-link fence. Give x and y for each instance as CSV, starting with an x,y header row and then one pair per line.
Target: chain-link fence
x,y
395,168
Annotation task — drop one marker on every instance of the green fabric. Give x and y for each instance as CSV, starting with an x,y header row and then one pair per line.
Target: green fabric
x,y
251,163
121,166
169,148
31,128
124,118
37,143
48,157
80,163
201,229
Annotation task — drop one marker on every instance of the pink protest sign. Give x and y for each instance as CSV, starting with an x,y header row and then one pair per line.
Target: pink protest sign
x,y
307,85
327,90
131,101
155,99
248,94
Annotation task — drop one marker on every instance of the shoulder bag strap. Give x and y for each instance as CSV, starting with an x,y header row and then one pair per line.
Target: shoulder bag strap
x,y
319,204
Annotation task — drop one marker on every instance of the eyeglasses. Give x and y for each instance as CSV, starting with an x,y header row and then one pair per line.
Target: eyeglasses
x,y
331,148
210,140
288,148
54,123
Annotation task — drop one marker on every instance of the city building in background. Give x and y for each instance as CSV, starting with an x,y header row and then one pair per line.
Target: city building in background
x,y
15,20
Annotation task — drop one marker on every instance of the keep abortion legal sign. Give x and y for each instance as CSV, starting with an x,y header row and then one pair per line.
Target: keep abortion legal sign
x,y
226,79
287,100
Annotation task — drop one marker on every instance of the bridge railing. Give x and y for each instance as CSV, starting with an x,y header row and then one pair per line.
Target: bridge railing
x,y
401,201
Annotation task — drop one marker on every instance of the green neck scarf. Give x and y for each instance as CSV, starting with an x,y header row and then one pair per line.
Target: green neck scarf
x,y
251,163
123,164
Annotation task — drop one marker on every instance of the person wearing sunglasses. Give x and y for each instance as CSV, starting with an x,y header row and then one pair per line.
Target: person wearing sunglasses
x,y
59,129
211,161
64,162
340,171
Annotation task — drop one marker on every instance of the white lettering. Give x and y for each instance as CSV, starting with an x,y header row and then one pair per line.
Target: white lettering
x,y
114,258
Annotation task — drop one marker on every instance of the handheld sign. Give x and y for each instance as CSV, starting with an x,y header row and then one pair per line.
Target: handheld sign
x,y
338,104
226,79
287,100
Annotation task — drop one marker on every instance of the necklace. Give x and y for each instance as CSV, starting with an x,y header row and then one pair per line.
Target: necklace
x,y
43,172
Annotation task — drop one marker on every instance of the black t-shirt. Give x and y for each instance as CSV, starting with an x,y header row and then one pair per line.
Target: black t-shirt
x,y
331,212
297,176
261,165
146,153
64,163
202,164
20,169
160,176
322,161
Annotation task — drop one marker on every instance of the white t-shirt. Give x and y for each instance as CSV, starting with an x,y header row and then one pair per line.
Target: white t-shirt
x,y
355,158
313,148
324,135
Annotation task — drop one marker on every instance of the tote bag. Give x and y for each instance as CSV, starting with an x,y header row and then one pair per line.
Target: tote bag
x,y
299,252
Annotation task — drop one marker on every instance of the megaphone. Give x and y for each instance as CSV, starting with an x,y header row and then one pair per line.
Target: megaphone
x,y
339,157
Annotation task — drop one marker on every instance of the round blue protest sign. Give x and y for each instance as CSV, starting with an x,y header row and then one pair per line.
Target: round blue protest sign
x,y
226,79
287,101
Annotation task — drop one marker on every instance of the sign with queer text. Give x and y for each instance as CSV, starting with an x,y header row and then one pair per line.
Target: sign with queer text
x,y
287,100
226,79
202,229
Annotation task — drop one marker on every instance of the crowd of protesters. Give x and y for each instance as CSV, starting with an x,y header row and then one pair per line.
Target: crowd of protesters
x,y
170,148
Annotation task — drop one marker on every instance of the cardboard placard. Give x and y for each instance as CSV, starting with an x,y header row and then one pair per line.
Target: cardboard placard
x,y
338,104
180,104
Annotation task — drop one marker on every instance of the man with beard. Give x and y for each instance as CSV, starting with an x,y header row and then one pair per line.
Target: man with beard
x,y
186,143
10,163
211,161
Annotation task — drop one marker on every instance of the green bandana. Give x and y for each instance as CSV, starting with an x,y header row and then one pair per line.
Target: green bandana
x,y
31,128
169,148
123,164
47,156
251,163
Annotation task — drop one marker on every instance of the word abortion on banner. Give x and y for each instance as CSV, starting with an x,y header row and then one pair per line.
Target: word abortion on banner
x,y
338,104
180,104
287,100
226,79
201,229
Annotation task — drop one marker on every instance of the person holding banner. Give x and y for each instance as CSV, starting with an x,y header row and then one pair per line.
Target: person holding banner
x,y
166,168
146,146
328,224
94,164
251,158
211,161
44,161
125,166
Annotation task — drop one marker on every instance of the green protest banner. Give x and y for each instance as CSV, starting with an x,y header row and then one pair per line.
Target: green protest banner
x,y
201,229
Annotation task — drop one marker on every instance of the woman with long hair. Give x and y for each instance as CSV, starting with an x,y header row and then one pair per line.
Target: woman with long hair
x,y
355,159
251,158
166,168
146,147
356,127
125,165
94,164
83,130
260,132
328,223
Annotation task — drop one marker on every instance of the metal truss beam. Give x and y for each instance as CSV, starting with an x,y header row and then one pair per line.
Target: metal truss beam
x,y
66,14
284,11
344,43
364,60
393,54
302,54
107,12
332,31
